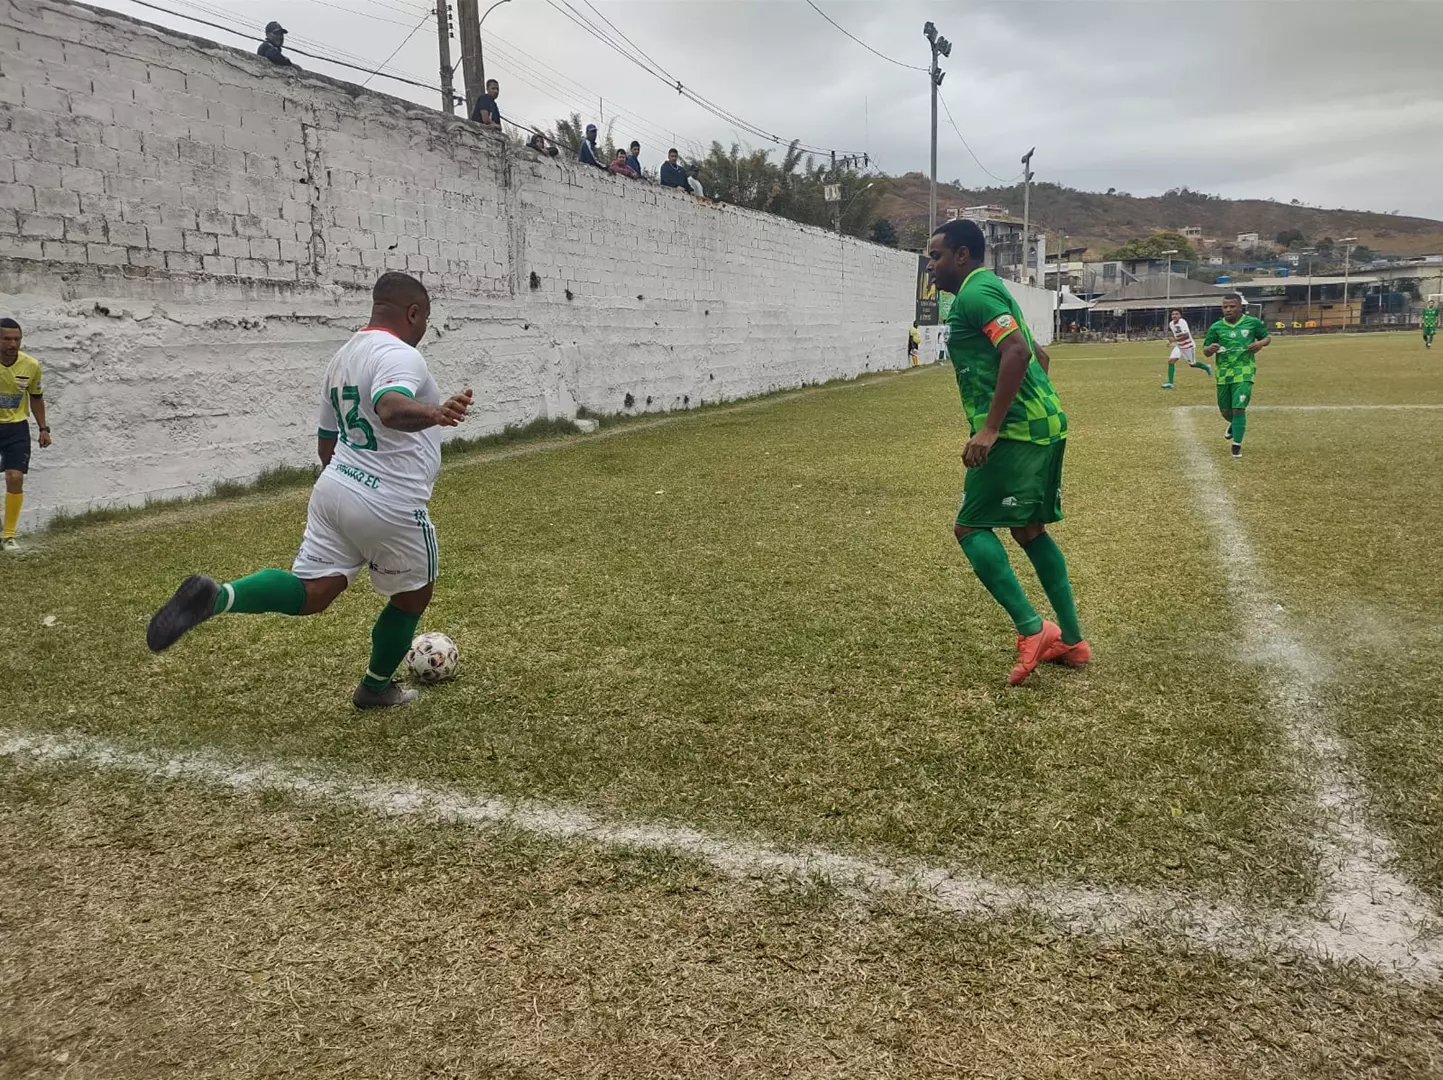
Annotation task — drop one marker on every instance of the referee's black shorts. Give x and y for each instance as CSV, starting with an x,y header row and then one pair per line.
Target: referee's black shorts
x,y
15,447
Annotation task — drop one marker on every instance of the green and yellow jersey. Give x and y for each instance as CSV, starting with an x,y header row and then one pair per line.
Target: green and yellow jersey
x,y
982,315
1430,318
1235,363
18,384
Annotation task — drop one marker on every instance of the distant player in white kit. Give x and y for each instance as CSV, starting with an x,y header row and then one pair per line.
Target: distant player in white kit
x,y
1183,347
378,436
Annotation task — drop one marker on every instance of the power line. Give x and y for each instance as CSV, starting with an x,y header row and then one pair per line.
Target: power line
x,y
984,168
298,52
859,41
424,19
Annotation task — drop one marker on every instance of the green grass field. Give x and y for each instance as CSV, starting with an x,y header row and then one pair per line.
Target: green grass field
x,y
755,622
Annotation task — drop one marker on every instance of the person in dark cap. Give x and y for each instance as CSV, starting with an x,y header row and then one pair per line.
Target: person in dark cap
x,y
587,156
275,41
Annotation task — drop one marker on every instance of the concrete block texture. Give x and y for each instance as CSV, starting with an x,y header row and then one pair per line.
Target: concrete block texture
x,y
220,222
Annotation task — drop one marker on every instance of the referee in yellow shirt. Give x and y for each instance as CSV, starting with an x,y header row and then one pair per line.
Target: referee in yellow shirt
x,y
19,393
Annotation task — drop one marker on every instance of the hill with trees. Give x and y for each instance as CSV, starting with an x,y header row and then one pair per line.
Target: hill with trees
x,y
1102,221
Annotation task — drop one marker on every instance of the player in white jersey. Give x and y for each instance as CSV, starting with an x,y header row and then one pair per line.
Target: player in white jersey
x,y
1183,347
378,438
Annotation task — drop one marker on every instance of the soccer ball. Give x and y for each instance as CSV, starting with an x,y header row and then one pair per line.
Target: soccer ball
x,y
433,658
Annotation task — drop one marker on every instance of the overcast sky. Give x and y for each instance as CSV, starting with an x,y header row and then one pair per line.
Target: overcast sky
x,y
1334,102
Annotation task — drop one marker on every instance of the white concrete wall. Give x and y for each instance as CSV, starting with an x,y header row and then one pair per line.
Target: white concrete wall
x,y
187,233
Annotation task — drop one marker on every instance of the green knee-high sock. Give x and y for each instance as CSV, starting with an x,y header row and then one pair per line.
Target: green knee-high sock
x,y
266,590
390,638
1051,570
1240,424
1171,372
989,559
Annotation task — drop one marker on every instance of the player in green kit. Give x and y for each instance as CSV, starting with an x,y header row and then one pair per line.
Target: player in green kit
x,y
1236,339
1430,323
1014,457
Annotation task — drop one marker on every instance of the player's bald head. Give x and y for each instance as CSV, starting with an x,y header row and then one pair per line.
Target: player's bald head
x,y
399,291
402,305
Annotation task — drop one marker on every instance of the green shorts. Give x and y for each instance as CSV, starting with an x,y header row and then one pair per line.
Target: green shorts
x,y
1428,332
1233,396
1020,484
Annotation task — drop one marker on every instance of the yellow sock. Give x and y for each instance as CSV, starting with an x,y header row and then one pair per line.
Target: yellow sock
x,y
12,514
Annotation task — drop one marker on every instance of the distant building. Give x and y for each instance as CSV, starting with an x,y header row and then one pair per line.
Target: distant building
x,y
1292,257
1192,232
1214,260
1247,240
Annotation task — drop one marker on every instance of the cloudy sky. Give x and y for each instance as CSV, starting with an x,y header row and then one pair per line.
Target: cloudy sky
x,y
1334,102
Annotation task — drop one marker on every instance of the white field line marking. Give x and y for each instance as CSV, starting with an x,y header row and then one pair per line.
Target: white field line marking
x,y
1371,911
1231,930
1313,408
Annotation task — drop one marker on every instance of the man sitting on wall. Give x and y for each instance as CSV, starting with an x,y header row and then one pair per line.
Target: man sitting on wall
x,y
275,41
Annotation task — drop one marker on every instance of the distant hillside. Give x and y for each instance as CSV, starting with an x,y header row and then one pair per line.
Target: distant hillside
x,y
1104,221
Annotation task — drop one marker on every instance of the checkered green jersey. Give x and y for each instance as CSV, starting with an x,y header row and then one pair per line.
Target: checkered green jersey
x,y
1235,363
1430,318
983,314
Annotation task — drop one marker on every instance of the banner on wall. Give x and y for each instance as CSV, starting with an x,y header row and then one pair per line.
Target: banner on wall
x,y
926,295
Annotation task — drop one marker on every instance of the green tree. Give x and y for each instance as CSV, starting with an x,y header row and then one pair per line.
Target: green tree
x,y
1289,238
915,238
884,232
1152,247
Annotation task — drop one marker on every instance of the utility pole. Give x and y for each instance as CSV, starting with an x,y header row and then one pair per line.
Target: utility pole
x,y
1027,215
443,28
1309,317
837,206
940,47
1347,259
469,22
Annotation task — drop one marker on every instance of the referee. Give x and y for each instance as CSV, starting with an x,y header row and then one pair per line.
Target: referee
x,y
19,393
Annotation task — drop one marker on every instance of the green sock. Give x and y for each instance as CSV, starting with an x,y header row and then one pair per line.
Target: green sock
x,y
989,559
390,638
1240,424
265,590
1051,570
1171,372
1206,368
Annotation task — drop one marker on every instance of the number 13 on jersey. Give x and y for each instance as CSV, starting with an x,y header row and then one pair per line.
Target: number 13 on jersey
x,y
355,430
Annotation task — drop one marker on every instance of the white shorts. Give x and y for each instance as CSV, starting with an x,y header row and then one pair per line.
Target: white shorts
x,y
1188,355
345,532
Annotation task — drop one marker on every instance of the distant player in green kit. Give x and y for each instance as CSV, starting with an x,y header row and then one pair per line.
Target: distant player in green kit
x,y
1430,323
1236,339
1014,457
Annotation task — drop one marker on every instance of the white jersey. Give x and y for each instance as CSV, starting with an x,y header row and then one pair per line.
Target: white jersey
x,y
1180,330
390,468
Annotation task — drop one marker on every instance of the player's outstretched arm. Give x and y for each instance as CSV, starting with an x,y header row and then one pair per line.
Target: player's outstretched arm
x,y
401,413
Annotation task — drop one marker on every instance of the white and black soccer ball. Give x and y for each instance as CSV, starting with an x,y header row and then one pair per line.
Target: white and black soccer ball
x,y
433,658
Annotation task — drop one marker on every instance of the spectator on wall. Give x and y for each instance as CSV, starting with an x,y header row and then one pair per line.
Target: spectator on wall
x,y
620,167
275,41
587,156
673,174
538,143
486,113
634,158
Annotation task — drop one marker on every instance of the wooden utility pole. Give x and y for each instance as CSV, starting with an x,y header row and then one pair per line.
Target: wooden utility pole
x,y
472,65
443,27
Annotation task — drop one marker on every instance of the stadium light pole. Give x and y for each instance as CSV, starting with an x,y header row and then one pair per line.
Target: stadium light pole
x,y
1170,252
1309,317
1026,213
1347,259
940,47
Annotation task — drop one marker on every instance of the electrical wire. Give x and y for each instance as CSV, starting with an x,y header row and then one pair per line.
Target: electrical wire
x,y
984,168
859,41
424,19
298,52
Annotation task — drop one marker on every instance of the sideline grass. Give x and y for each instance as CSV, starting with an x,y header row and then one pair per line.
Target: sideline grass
x,y
756,621
1345,508
157,930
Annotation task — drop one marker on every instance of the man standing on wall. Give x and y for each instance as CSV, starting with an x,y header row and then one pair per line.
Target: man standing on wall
x,y
378,438
1014,457
486,112
19,393
275,41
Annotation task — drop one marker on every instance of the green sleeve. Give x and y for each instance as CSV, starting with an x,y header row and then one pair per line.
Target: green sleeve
x,y
1263,327
1212,335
